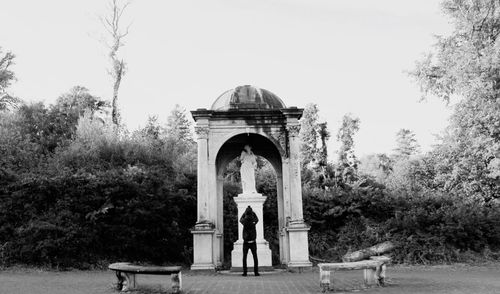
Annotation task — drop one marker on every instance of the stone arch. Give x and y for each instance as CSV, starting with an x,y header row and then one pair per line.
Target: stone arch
x,y
248,115
262,146
278,140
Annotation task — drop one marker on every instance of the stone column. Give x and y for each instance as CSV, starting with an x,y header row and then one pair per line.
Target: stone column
x,y
295,178
281,218
204,230
202,189
220,220
296,228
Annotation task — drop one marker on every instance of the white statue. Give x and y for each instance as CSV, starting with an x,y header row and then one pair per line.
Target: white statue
x,y
247,171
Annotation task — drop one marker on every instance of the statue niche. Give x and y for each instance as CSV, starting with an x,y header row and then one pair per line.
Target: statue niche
x,y
250,197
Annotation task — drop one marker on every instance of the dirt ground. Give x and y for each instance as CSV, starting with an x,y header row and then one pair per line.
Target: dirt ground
x,y
415,279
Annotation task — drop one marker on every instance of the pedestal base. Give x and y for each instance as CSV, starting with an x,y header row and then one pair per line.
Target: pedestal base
x,y
264,256
203,235
299,253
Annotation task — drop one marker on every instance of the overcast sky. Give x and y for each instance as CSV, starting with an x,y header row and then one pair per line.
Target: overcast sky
x,y
346,56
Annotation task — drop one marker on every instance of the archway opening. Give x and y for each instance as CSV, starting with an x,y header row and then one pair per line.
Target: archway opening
x,y
268,183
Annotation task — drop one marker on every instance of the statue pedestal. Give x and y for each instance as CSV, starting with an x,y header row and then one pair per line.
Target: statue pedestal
x,y
256,201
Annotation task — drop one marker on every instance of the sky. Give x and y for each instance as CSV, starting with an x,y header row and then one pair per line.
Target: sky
x,y
345,56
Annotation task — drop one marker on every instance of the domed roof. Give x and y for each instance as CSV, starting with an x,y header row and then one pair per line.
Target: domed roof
x,y
247,97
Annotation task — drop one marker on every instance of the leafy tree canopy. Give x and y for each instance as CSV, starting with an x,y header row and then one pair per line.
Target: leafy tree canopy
x,y
309,133
6,78
179,125
407,144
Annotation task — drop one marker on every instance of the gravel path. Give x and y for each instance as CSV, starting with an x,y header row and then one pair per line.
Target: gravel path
x,y
438,279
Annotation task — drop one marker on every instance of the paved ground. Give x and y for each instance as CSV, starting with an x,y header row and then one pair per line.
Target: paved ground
x,y
442,279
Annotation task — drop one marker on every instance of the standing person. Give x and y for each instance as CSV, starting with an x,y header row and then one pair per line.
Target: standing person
x,y
248,220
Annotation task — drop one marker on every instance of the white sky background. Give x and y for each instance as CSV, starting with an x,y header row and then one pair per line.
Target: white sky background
x,y
346,56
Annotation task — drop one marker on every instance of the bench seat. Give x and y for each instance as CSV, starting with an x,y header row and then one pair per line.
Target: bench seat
x,y
374,271
126,272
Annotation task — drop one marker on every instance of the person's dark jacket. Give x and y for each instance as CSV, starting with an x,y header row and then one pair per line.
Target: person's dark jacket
x,y
248,220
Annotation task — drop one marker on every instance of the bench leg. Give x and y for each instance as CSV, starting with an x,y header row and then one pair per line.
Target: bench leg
x,y
324,280
370,277
130,282
176,282
381,276
121,279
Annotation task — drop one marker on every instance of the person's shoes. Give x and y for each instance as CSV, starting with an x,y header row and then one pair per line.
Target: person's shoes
x,y
257,274
244,274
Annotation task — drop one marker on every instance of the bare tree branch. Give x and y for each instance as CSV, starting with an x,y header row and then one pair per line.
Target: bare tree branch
x,y
112,25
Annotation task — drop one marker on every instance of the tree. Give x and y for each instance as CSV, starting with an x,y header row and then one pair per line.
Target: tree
x,y
314,137
77,100
379,166
18,151
6,78
345,135
116,34
324,135
63,116
466,66
407,145
152,128
54,126
309,133
179,126
347,162
179,137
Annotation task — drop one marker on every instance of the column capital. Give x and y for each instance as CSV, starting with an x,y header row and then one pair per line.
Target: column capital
x,y
201,132
293,130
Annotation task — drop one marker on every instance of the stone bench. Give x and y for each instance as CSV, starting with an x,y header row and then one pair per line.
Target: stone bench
x,y
126,272
374,271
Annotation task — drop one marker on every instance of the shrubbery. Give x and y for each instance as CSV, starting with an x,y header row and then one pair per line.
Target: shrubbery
x,y
426,229
99,195
79,192
77,219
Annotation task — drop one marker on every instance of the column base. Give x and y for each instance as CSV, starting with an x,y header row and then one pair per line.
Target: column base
x,y
295,264
203,259
299,246
202,266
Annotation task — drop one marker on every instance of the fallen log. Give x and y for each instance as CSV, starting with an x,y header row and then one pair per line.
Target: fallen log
x,y
367,252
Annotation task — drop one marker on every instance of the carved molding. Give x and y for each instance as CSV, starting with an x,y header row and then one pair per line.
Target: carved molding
x,y
293,130
280,138
201,132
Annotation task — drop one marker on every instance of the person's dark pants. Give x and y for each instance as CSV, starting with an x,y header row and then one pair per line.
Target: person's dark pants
x,y
253,248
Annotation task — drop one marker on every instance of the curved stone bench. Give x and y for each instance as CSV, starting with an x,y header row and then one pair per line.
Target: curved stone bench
x,y
374,271
126,272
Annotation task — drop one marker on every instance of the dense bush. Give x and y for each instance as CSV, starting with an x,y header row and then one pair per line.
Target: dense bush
x,y
76,191
96,194
78,219
426,228
231,190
